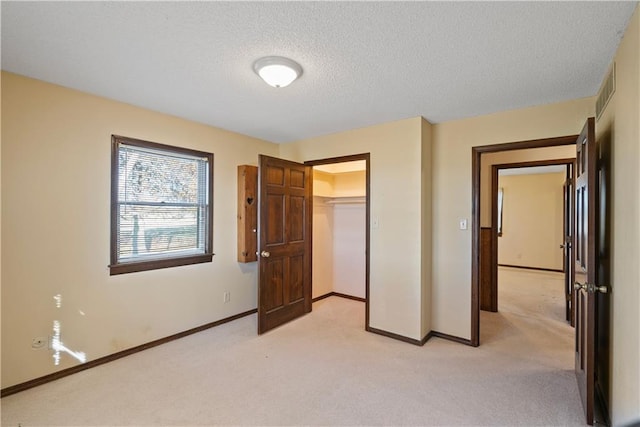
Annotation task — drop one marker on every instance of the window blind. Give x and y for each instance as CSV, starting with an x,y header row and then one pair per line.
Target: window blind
x,y
162,204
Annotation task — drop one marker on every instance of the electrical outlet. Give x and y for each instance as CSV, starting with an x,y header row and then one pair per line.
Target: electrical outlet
x,y
38,343
227,296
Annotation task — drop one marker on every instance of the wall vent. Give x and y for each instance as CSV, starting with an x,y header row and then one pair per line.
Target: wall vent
x,y
606,92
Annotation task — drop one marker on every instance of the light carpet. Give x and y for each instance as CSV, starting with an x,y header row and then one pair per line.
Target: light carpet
x,y
324,369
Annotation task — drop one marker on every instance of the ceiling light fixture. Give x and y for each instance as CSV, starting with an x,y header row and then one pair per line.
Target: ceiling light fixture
x,y
277,71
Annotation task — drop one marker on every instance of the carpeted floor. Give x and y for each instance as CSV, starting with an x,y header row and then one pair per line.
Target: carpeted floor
x,y
324,369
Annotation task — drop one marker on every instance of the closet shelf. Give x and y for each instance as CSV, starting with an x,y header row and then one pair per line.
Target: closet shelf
x,y
346,200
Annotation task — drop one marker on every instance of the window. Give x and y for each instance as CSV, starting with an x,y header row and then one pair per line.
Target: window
x,y
161,206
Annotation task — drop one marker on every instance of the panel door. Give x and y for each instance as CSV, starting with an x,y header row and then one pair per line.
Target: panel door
x,y
585,250
284,246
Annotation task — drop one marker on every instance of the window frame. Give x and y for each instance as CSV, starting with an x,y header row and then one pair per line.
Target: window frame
x,y
116,267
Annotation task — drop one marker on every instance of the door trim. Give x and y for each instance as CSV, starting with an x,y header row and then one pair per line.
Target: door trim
x,y
476,153
342,159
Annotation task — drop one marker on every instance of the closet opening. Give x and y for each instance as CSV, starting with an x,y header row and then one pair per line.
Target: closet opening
x,y
340,236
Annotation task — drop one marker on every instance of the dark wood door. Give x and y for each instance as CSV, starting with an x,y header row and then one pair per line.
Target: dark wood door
x,y
567,243
284,246
586,288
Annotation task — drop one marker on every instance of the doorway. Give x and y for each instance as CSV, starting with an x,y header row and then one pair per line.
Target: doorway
x,y
531,209
528,290
340,254
591,242
477,195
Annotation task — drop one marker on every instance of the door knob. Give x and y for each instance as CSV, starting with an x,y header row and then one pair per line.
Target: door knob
x,y
565,245
602,289
265,254
590,288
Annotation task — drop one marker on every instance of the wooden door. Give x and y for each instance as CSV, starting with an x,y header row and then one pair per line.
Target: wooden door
x,y
585,250
284,246
488,263
567,243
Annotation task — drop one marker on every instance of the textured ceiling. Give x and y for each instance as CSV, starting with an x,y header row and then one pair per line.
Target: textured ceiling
x,y
364,62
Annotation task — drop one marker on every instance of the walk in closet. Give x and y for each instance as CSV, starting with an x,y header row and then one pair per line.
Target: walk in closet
x,y
339,229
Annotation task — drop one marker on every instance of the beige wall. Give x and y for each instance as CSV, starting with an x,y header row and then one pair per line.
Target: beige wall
x,y
515,156
322,251
532,220
452,144
1,323
322,256
350,184
427,224
323,183
396,176
619,127
56,157
349,249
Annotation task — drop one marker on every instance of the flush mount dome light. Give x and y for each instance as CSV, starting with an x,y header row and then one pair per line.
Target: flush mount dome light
x,y
277,71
